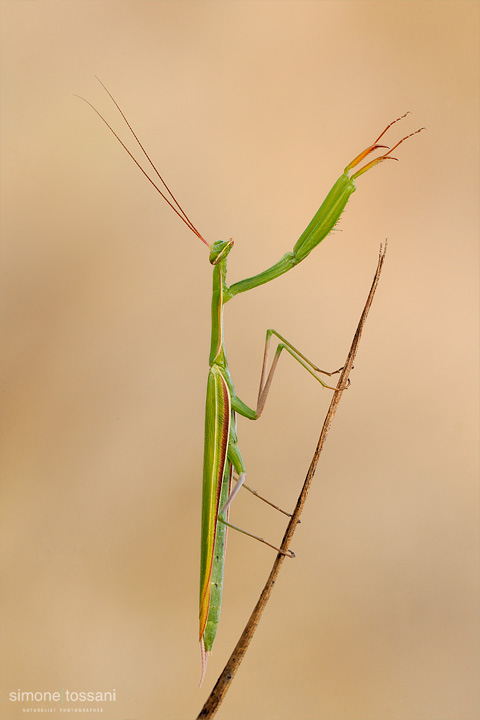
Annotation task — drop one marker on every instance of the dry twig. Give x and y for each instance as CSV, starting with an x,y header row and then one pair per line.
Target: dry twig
x,y
223,683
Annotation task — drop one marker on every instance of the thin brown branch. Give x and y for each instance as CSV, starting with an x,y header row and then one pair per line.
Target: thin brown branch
x,y
223,683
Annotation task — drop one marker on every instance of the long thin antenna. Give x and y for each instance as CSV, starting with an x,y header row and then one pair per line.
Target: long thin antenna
x,y
147,155
178,209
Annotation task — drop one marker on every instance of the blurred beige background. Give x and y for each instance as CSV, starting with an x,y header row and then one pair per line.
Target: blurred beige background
x,y
251,110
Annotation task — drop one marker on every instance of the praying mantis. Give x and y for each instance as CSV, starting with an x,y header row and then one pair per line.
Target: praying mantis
x,y
221,452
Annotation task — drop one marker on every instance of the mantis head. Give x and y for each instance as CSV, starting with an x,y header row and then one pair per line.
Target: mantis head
x,y
219,250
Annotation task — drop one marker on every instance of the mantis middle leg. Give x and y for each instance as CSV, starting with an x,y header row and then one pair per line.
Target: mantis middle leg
x,y
234,455
266,380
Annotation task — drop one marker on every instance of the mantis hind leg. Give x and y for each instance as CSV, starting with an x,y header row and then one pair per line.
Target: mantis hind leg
x,y
236,460
260,497
287,553
224,510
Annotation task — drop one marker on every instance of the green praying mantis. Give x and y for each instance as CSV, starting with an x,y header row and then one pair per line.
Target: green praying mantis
x,y
221,452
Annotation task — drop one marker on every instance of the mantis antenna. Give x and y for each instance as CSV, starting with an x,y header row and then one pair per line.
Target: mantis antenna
x,y
173,203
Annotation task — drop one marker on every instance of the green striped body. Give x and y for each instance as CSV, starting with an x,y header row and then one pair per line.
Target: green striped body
x,y
216,481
